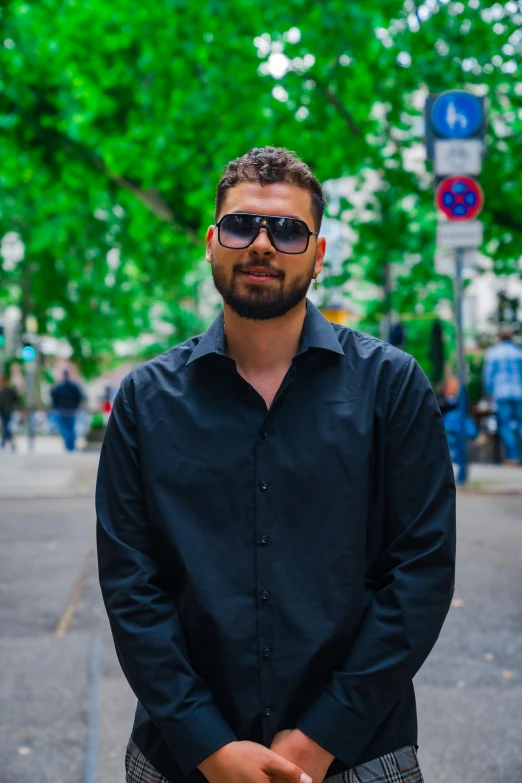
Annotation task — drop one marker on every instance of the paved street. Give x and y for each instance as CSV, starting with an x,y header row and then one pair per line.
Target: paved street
x,y
65,710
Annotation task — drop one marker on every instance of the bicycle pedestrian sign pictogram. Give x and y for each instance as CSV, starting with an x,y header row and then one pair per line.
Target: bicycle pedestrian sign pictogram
x,y
459,198
457,115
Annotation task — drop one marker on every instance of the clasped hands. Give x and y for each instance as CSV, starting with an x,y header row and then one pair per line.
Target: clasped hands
x,y
300,749
293,757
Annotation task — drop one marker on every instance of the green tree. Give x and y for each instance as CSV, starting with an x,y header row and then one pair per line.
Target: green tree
x,y
117,118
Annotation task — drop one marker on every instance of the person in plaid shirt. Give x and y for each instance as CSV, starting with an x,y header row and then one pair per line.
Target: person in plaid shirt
x,y
503,382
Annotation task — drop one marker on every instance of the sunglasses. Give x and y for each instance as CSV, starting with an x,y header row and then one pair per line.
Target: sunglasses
x,y
288,235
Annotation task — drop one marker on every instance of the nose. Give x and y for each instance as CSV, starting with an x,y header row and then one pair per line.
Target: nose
x,y
262,244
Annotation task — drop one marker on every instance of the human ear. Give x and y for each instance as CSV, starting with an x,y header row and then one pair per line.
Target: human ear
x,y
319,254
210,234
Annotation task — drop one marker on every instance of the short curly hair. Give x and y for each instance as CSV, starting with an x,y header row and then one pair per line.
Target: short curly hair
x,y
272,164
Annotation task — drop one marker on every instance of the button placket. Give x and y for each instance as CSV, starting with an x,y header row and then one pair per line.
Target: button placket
x,y
264,555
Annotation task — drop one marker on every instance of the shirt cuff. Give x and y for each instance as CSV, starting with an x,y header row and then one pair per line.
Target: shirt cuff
x,y
198,736
336,729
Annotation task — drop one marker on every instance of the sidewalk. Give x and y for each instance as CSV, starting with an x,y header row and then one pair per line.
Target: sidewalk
x,y
43,444
48,471
493,480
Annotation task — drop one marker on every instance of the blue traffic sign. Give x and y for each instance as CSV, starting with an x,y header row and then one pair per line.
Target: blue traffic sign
x,y
457,114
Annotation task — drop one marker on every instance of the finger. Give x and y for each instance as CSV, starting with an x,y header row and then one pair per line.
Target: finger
x,y
277,765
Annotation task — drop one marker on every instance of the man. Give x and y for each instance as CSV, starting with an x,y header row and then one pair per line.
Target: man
x,y
9,400
67,397
502,377
275,508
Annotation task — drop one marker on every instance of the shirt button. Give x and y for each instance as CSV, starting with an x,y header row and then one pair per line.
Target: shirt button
x,y
267,652
264,434
265,539
265,595
267,712
263,485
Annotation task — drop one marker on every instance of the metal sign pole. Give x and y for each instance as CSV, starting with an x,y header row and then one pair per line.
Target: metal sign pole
x,y
461,368
455,142
30,394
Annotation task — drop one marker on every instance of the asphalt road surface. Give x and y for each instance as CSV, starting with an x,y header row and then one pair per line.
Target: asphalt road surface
x,y
66,712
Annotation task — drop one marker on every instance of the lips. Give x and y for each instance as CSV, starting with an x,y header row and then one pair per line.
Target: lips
x,y
259,278
260,273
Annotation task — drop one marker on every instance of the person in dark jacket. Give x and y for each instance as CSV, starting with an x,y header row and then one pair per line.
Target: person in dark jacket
x,y
67,397
276,520
9,401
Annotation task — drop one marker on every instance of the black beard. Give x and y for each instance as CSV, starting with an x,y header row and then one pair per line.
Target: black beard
x,y
260,303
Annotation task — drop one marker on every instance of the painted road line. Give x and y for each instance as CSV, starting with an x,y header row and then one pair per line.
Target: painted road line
x,y
70,610
93,737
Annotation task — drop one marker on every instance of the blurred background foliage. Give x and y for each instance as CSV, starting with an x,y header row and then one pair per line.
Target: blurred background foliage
x,y
117,119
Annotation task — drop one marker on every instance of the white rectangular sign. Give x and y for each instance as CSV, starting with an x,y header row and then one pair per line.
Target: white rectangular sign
x,y
464,233
445,260
458,156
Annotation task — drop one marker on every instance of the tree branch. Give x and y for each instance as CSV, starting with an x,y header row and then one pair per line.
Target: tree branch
x,y
332,98
151,198
502,219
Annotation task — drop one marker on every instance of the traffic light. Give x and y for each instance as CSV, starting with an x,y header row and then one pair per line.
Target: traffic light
x,y
2,336
28,351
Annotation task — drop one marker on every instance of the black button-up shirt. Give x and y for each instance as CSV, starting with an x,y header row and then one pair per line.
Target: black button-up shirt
x,y
271,569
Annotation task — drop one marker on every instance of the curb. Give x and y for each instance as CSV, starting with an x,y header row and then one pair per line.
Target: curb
x,y
489,490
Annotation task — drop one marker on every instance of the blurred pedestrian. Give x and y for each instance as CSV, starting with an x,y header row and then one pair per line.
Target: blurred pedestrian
x,y
9,401
276,520
452,422
67,397
502,376
448,394
451,389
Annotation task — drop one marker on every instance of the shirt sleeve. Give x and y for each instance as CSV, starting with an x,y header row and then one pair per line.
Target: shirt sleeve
x,y
147,631
415,575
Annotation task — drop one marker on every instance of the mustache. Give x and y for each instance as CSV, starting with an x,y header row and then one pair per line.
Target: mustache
x,y
257,264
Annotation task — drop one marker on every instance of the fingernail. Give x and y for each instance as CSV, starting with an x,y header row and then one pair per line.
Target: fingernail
x,y
306,778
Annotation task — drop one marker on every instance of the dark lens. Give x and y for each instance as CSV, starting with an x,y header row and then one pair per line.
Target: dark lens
x,y
236,231
290,236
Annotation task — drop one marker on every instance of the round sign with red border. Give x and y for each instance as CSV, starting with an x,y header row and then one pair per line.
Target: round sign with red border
x,y
460,198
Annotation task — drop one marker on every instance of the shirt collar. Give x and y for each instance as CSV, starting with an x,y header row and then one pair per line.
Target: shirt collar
x,y
212,341
317,333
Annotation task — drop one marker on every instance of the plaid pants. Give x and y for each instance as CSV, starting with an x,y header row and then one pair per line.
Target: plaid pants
x,y
398,767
